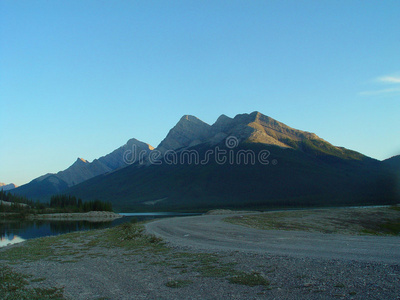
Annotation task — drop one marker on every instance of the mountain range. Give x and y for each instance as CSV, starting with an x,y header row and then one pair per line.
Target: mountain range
x,y
249,161
7,187
302,170
45,186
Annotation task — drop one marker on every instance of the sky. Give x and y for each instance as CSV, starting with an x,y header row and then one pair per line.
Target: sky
x,y
80,78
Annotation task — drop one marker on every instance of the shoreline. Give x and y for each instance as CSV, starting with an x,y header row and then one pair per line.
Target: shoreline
x,y
90,216
94,216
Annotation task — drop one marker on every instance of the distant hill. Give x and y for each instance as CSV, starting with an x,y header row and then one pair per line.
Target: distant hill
x,y
7,187
286,167
45,186
393,162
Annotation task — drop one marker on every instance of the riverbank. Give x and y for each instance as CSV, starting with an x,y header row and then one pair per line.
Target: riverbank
x,y
350,221
125,262
88,216
92,216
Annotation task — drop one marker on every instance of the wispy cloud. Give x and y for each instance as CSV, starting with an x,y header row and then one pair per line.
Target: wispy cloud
x,y
389,79
393,80
380,92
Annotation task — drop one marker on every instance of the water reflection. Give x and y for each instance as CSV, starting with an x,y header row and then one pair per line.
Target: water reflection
x,y
152,215
13,231
10,239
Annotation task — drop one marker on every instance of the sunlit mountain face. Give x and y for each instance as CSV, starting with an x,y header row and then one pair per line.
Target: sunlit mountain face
x,y
251,161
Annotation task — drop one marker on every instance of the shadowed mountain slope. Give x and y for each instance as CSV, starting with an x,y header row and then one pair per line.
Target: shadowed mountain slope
x,y
393,162
284,167
45,186
189,131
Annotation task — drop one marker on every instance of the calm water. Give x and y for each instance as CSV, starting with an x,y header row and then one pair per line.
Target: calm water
x,y
16,231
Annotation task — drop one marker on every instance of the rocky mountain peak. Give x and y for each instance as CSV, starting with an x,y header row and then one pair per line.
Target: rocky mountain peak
x,y
126,154
189,131
256,115
222,124
254,128
7,187
138,143
82,170
223,118
186,119
81,161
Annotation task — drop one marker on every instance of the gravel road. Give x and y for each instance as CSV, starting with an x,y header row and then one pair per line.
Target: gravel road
x,y
209,232
202,256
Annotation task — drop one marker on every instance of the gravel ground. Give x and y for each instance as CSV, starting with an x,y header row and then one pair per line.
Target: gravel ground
x,y
346,220
121,276
211,232
126,263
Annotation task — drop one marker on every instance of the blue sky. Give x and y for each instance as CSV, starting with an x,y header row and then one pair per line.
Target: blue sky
x,y
80,78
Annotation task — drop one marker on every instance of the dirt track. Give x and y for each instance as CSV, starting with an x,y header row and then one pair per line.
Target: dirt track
x,y
204,256
209,232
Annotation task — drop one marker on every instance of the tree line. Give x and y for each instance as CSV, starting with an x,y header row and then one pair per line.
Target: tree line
x,y
71,203
57,204
17,202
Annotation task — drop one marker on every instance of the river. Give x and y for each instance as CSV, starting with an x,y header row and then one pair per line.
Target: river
x,y
16,231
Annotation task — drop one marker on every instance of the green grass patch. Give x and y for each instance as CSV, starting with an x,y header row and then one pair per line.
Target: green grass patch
x,y
352,293
216,270
14,285
38,279
391,228
132,236
372,221
70,246
178,283
131,239
249,279
36,249
74,246
386,228
271,221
